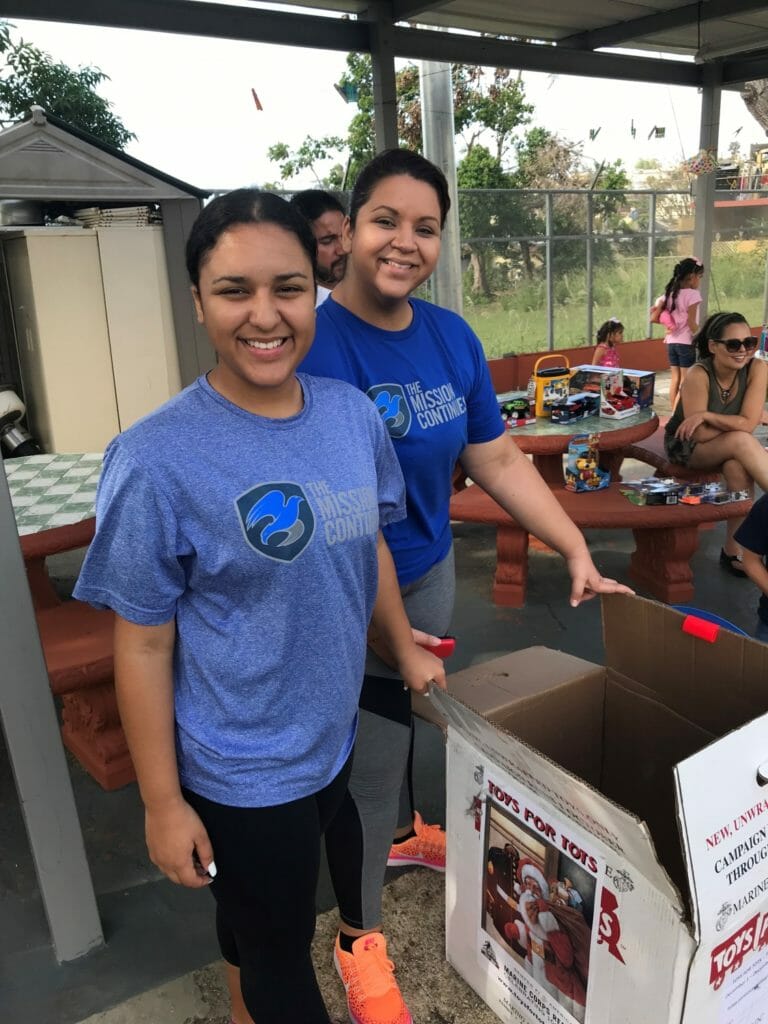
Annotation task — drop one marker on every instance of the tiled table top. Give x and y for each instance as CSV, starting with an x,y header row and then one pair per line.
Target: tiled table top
x,y
52,490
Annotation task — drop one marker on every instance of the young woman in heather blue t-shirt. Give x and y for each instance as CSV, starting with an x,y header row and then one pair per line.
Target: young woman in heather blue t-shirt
x,y
238,540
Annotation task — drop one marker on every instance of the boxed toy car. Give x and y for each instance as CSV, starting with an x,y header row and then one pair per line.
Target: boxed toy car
x,y
608,383
639,385
515,408
607,854
575,407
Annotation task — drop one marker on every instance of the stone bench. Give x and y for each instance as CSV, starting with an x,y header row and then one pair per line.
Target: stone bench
x,y
666,537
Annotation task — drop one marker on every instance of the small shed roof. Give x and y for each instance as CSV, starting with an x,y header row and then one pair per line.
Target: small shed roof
x,y
45,158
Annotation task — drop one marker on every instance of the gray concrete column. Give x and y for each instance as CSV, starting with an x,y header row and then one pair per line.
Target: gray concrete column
x,y
438,139
379,17
37,758
704,188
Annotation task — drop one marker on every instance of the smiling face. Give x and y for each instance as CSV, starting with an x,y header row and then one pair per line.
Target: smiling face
x,y
331,257
725,363
393,246
256,299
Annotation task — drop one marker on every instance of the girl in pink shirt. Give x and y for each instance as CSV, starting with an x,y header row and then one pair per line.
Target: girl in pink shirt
x,y
609,335
678,310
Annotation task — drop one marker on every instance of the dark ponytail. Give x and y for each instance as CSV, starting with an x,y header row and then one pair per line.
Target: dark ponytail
x,y
690,265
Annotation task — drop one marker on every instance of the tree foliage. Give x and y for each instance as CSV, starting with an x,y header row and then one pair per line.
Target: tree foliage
x,y
30,76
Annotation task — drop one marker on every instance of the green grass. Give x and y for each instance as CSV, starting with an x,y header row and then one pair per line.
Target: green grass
x,y
515,319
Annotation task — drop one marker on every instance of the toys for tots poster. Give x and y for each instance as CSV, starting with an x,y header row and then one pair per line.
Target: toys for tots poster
x,y
538,914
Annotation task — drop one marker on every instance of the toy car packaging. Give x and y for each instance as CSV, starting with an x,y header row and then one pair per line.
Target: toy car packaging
x,y
607,382
515,409
582,472
576,407
549,385
640,385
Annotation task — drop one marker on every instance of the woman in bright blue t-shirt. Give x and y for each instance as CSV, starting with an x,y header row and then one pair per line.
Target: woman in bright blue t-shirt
x,y
425,371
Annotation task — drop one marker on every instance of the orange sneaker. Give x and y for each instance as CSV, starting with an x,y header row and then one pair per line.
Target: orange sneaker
x,y
427,847
369,979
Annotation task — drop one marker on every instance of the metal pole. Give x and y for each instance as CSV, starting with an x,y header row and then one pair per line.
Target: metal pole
x,y
37,758
590,268
650,294
549,277
704,191
437,133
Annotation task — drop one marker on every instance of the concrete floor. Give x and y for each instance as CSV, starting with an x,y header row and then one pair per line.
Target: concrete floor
x,y
159,961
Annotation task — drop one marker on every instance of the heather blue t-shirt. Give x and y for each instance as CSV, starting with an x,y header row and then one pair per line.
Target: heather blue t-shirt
x,y
431,385
259,537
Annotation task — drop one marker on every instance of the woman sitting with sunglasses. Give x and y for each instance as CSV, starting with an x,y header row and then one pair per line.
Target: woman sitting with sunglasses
x,y
721,403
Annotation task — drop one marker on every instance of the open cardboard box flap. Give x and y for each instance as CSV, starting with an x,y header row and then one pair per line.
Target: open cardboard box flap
x,y
668,739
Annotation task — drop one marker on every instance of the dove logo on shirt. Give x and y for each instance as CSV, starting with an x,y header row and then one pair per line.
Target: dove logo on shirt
x,y
277,520
393,407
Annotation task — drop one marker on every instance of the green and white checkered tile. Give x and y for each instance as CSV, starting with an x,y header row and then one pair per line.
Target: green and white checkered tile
x,y
52,490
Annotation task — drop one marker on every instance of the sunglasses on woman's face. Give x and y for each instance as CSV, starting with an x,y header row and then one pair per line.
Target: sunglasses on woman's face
x,y
736,344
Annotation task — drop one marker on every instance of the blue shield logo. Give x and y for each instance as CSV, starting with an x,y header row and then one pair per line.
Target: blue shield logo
x,y
393,408
277,520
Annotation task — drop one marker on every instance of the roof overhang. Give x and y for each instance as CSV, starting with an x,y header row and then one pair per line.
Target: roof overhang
x,y
554,36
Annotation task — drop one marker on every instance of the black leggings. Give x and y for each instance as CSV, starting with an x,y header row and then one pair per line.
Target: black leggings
x,y
267,861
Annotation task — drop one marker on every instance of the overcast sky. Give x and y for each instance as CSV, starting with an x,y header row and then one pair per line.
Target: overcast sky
x,y
189,102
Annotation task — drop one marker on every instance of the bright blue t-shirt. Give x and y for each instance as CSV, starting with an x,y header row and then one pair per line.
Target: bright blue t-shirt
x,y
259,536
431,385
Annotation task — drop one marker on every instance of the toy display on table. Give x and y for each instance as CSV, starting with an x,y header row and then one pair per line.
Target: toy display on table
x,y
655,491
550,385
515,409
622,392
582,472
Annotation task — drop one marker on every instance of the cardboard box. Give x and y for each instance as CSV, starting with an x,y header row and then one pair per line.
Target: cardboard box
x,y
608,382
635,781
640,384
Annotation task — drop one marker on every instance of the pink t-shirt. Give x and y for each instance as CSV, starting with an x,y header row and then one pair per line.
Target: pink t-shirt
x,y
681,333
607,356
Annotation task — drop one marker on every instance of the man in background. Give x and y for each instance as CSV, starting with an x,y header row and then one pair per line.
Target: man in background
x,y
325,215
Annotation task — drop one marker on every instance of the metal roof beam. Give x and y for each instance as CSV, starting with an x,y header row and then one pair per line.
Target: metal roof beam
x,y
738,70
408,10
220,21
636,28
421,44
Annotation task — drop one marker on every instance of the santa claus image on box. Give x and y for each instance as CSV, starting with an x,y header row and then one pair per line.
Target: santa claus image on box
x,y
556,939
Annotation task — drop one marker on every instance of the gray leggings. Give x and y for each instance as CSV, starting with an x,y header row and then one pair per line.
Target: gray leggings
x,y
379,799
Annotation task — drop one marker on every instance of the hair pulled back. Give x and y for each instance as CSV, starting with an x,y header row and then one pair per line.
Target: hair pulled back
x,y
244,206
681,270
391,163
604,331
712,330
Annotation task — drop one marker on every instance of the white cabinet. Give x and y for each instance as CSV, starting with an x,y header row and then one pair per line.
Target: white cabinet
x,y
94,330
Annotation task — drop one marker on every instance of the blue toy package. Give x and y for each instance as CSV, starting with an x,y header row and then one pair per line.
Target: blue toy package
x,y
582,473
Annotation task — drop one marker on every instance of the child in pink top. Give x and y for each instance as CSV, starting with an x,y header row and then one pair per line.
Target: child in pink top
x,y
678,310
609,335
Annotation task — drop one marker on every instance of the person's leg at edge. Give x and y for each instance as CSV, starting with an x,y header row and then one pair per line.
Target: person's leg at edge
x,y
359,839
736,479
268,861
430,608
674,375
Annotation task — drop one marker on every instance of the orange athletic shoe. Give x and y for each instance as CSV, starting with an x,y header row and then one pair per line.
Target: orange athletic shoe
x,y
369,979
427,847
